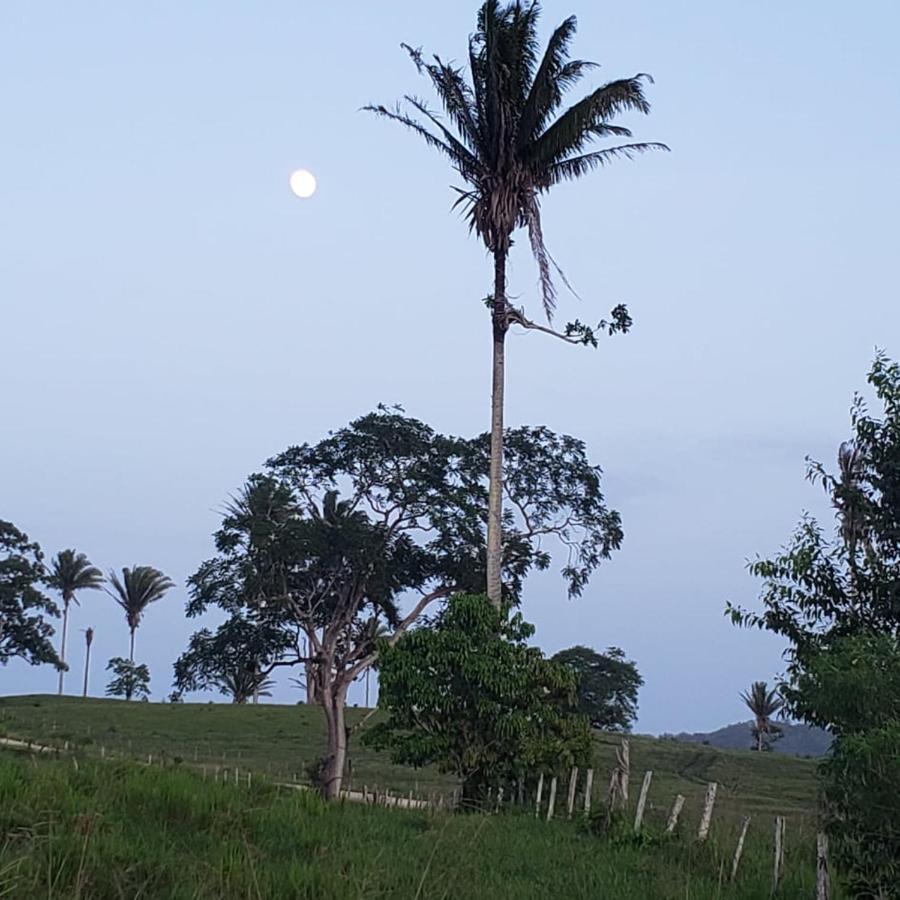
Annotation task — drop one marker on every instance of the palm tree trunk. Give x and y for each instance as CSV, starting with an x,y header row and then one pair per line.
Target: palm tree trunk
x,y
87,668
131,650
62,645
500,324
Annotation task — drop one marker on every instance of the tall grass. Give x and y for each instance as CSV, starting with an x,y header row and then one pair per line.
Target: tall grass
x,y
121,830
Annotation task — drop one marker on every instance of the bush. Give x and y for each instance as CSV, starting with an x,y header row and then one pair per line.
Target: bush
x,y
469,696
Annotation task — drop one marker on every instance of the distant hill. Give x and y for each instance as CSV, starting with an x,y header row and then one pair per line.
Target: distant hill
x,y
796,740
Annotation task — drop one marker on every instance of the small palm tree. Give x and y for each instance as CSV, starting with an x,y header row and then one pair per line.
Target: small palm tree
x,y
71,572
764,704
505,136
88,640
137,589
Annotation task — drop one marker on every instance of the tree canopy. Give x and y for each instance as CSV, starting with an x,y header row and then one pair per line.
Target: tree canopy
x,y
24,609
378,521
469,696
836,599
608,685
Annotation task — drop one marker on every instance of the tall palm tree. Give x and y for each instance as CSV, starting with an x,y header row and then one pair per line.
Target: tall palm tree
x,y
138,588
506,138
764,704
71,572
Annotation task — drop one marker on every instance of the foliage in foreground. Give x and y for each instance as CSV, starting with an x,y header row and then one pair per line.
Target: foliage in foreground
x,y
608,685
24,631
469,696
835,599
108,831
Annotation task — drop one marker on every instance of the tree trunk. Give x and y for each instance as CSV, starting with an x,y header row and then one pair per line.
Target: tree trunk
x,y
333,774
62,644
500,324
131,650
367,687
87,669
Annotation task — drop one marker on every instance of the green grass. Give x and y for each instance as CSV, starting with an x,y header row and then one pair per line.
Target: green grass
x,y
117,829
279,741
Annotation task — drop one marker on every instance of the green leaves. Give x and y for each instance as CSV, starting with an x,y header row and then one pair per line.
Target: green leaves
x,y
608,685
129,679
469,696
24,631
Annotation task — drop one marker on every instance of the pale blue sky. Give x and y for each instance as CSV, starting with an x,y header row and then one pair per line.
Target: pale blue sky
x,y
172,315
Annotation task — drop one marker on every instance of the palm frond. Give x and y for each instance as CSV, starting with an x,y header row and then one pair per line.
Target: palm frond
x,y
397,115
578,125
455,95
570,169
546,89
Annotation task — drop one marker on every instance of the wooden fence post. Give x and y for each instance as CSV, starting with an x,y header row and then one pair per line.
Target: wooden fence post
x,y
573,786
745,824
779,852
706,818
540,791
642,801
624,758
552,801
823,881
588,787
672,824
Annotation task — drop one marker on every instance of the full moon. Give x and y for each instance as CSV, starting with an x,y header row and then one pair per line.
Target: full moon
x,y
303,183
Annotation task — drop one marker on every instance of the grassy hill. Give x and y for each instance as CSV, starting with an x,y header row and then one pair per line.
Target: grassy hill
x,y
117,829
280,741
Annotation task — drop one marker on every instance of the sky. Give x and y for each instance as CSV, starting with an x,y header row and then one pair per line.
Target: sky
x,y
171,315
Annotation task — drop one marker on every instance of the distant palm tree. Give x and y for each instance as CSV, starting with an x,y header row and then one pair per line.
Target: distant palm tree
x,y
505,137
88,640
71,572
764,704
138,588
377,630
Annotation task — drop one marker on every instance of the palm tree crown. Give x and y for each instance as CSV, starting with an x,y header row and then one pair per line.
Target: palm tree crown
x,y
137,589
504,132
764,704
71,572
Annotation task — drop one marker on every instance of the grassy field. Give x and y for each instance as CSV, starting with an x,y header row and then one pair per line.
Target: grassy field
x,y
117,829
279,741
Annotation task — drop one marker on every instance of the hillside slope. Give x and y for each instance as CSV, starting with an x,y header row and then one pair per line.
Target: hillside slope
x,y
796,740
281,741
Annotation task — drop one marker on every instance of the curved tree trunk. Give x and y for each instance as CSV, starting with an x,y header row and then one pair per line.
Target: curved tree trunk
x,y
336,758
500,324
62,644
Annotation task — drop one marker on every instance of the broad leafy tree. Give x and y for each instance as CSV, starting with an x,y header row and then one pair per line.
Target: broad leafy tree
x,y
233,659
130,679
608,685
70,573
505,133
135,591
470,697
369,528
835,597
764,705
24,608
